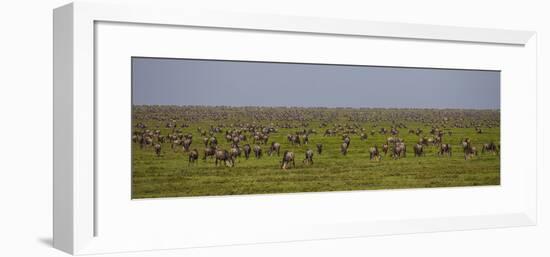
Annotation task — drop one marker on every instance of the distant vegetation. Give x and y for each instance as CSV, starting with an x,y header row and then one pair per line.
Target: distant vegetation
x,y
199,150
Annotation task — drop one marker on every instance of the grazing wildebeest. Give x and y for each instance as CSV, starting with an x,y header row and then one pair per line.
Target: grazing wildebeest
x,y
242,137
469,150
445,149
193,156
418,150
329,132
257,152
363,136
465,142
148,141
294,139
490,148
275,147
236,140
437,140
157,149
288,159
347,140
213,142
161,138
141,141
174,144
319,148
399,150
205,141
223,157
306,139
186,144
247,149
374,153
391,140
344,148
385,148
309,157
264,138
423,141
209,151
234,152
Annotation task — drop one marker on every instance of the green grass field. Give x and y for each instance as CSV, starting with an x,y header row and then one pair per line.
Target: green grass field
x,y
170,175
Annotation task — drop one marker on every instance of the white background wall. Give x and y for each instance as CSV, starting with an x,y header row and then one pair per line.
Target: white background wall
x,y
26,128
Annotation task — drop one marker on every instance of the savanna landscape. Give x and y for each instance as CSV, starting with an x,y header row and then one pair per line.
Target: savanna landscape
x,y
203,150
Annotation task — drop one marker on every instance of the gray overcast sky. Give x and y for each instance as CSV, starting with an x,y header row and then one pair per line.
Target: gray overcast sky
x,y
210,82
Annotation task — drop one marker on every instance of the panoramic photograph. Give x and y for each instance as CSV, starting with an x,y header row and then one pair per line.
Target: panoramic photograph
x,y
226,127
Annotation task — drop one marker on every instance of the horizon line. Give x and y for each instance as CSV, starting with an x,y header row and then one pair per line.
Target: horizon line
x,y
319,107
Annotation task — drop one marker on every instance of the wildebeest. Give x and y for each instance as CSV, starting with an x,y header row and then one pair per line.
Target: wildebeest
x,y
213,142
174,144
186,144
347,140
193,156
469,150
247,149
275,147
157,149
418,150
445,149
306,139
363,136
288,159
344,148
236,140
294,139
329,132
257,152
319,148
223,157
399,150
209,151
309,157
374,153
146,141
490,148
385,148
234,152
423,141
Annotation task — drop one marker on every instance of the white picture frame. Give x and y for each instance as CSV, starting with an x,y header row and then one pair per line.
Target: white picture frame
x,y
76,147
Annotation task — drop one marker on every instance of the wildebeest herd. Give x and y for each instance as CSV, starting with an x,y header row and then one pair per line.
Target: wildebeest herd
x,y
309,149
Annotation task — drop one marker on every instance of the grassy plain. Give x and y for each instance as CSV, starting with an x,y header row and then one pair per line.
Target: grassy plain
x,y
170,175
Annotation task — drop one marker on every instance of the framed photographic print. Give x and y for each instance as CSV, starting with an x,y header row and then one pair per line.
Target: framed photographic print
x,y
177,128
219,127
